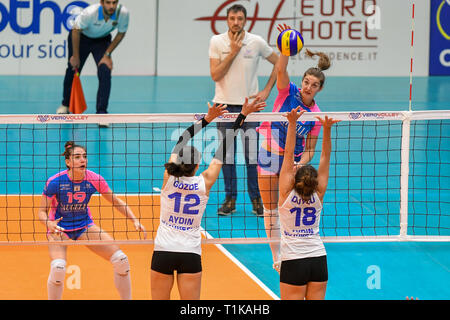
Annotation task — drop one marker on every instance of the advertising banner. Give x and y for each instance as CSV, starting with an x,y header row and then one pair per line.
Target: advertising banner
x,y
33,37
440,38
362,37
171,37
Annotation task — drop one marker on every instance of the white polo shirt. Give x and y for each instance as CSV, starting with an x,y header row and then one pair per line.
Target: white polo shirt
x,y
93,25
241,80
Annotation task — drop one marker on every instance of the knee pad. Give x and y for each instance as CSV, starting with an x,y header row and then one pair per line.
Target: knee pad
x,y
57,271
120,263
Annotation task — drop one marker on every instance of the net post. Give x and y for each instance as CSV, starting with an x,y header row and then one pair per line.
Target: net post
x,y
404,174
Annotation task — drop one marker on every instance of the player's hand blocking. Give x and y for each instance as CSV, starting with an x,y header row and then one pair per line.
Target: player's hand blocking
x,y
254,106
327,122
215,111
293,115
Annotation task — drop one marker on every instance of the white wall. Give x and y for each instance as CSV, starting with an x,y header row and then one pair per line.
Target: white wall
x,y
183,39
389,56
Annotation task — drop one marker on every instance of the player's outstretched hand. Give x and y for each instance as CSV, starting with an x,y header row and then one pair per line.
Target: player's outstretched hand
x,y
293,115
215,111
254,106
327,122
282,27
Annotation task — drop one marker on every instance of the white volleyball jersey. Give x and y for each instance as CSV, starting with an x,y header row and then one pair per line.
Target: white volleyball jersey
x,y
183,202
299,222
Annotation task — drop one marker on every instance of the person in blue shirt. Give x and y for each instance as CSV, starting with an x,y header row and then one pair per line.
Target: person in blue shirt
x,y
91,34
65,212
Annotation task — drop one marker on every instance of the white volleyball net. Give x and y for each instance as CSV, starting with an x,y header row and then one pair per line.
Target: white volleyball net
x,y
389,175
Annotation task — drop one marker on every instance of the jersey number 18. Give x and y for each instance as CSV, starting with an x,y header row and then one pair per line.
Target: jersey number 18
x,y
309,216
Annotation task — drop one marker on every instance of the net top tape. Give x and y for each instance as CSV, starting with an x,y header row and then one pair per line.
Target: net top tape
x,y
192,117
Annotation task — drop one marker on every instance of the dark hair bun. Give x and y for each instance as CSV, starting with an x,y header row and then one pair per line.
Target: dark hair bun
x,y
306,181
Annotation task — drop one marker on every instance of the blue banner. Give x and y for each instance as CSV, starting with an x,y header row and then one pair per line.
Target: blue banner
x,y
440,38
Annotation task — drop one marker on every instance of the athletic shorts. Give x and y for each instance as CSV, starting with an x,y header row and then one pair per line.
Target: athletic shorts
x,y
299,272
182,262
269,163
75,234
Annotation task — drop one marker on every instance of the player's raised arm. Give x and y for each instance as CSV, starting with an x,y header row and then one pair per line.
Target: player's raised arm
x,y
214,111
215,166
286,181
324,164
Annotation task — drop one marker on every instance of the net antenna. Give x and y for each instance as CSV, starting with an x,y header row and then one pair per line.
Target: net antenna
x,y
412,56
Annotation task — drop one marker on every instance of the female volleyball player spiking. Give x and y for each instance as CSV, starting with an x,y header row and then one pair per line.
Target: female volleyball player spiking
x,y
67,195
270,157
183,201
304,272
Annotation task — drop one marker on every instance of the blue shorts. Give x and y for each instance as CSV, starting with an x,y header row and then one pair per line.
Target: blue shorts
x,y
75,234
270,163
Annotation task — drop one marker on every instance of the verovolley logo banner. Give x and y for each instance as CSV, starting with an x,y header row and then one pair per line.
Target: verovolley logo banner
x,y
373,115
65,118
440,37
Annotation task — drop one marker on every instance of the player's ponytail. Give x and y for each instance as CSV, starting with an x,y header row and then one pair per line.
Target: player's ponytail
x,y
324,59
68,147
306,181
323,64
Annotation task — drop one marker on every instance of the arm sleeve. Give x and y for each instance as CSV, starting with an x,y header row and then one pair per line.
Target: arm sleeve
x,y
50,189
124,19
188,134
82,20
265,49
213,49
315,131
228,140
98,182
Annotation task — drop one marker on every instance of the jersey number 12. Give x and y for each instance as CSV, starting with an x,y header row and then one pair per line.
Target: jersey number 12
x,y
188,204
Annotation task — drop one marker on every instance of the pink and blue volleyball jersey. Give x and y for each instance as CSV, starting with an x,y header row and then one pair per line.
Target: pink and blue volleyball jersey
x,y
275,132
70,198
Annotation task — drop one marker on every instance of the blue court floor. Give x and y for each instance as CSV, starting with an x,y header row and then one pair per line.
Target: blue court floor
x,y
389,270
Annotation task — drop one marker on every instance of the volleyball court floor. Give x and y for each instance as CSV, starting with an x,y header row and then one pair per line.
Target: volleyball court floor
x,y
388,270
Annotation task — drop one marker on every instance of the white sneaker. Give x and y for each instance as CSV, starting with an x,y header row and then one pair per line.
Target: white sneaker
x,y
62,110
103,125
277,266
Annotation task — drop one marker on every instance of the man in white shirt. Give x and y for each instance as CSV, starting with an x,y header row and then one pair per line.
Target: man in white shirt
x,y
234,57
91,33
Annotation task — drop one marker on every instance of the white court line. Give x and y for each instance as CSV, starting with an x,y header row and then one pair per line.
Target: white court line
x,y
242,267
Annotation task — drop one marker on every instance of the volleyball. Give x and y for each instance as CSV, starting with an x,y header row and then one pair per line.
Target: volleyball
x,y
290,42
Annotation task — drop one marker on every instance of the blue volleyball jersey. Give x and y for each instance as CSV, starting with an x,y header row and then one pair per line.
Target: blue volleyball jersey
x,y
70,198
276,132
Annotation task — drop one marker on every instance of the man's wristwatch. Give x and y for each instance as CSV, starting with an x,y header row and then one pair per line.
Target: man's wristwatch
x,y
108,54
